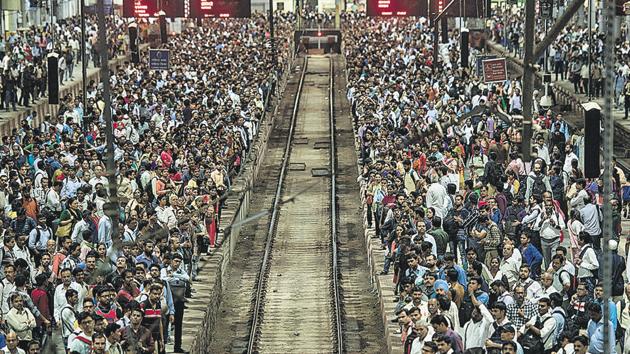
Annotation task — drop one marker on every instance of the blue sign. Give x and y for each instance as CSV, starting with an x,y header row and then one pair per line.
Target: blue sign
x,y
158,59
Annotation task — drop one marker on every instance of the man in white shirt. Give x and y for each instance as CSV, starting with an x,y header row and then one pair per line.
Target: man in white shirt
x,y
476,331
543,325
577,202
8,286
105,230
586,261
60,292
436,197
53,199
68,315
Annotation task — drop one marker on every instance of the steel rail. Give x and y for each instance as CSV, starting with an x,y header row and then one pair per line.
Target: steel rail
x,y
333,210
260,284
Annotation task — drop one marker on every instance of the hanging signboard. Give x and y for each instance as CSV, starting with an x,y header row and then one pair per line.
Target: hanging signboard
x,y
158,59
494,70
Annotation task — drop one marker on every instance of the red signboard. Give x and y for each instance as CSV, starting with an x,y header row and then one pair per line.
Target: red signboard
x,y
219,8
398,8
494,70
150,8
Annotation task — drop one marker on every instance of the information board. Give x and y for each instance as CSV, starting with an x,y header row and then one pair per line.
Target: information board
x,y
219,8
479,63
459,8
494,70
398,8
158,59
150,8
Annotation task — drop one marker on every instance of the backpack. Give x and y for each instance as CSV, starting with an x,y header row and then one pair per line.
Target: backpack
x,y
149,189
618,282
38,234
557,187
538,186
531,343
595,271
572,280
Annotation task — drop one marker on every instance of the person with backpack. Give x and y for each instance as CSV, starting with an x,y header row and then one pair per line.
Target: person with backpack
x,y
38,238
563,280
595,330
587,262
551,225
477,163
618,267
493,171
560,316
537,180
537,334
410,177
531,221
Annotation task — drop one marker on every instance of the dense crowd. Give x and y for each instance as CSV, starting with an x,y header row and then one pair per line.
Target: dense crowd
x,y
568,56
180,137
488,253
23,65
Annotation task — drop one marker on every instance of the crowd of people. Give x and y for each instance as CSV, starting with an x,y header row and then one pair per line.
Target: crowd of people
x,y
180,138
488,253
568,56
23,64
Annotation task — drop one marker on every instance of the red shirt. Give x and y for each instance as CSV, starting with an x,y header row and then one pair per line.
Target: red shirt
x,y
40,300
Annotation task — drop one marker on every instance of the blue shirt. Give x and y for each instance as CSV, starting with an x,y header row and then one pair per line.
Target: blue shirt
x,y
596,337
612,310
558,315
531,255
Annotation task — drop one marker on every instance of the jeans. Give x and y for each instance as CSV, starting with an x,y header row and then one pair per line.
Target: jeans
x,y
549,249
179,318
70,71
9,98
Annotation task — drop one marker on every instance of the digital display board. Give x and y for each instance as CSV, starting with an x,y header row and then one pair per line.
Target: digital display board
x,y
150,8
397,8
460,8
219,8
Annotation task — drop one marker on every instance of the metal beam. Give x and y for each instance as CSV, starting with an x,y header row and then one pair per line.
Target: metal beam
x,y
439,16
528,79
553,33
608,124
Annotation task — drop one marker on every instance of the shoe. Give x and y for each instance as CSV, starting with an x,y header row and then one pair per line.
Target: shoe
x,y
179,350
383,273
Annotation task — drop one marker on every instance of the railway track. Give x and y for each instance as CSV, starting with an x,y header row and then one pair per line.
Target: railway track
x,y
284,289
297,305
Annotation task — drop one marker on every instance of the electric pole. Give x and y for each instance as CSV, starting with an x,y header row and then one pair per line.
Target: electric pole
x,y
607,141
112,209
83,57
528,79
